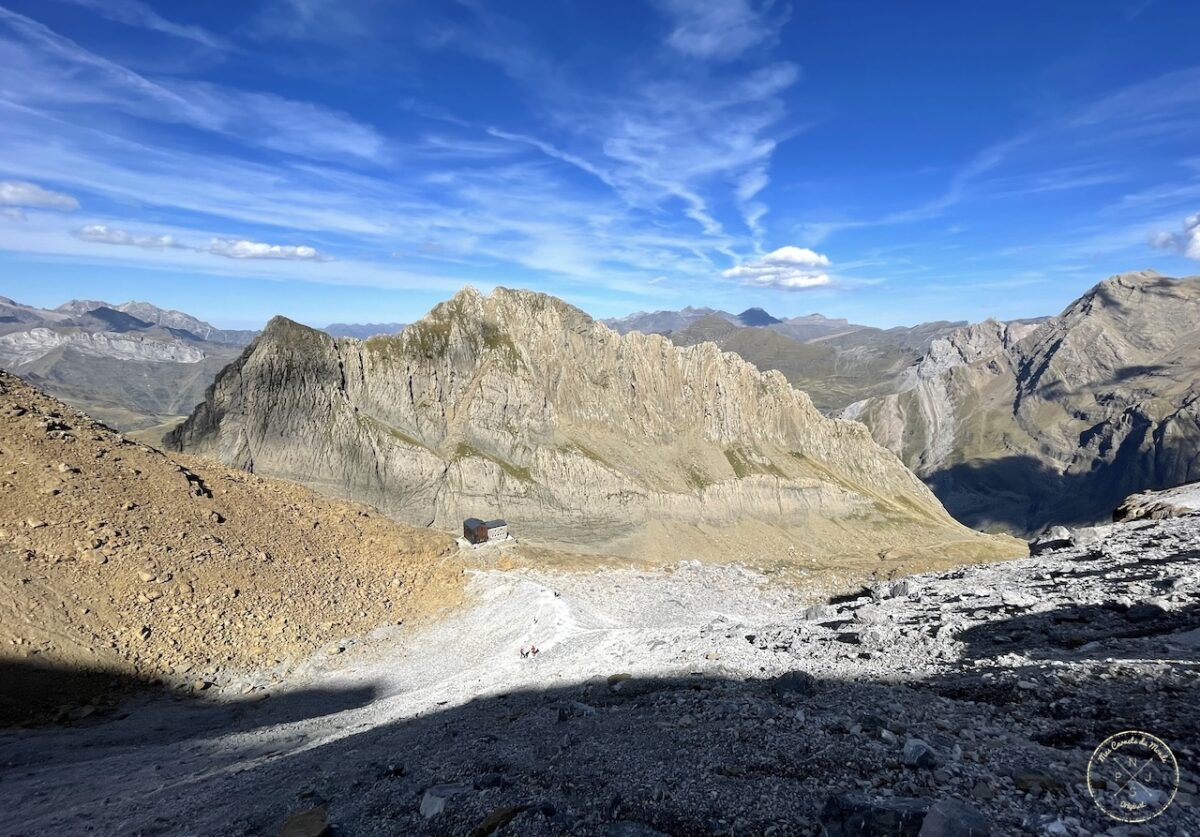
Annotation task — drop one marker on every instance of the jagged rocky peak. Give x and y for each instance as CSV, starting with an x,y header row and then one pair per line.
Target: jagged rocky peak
x,y
970,343
518,405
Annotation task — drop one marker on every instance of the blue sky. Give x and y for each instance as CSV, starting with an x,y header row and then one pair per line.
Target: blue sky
x,y
362,159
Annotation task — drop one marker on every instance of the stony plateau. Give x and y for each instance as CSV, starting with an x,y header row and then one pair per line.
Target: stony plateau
x,y
517,405
1018,429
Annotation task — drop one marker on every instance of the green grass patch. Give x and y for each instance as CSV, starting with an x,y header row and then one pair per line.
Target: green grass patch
x,y
575,447
744,466
698,479
517,472
391,431
739,464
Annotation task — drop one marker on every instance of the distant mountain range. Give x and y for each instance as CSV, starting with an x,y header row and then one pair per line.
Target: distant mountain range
x,y
147,314
362,331
669,322
1015,425
835,361
131,365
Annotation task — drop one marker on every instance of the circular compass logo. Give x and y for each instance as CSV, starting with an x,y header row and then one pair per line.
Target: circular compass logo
x,y
1133,776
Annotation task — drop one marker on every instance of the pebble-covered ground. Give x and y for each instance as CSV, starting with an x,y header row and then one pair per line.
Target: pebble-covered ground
x,y
121,565
702,701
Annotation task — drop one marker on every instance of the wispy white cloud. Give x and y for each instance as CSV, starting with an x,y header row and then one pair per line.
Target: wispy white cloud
x,y
719,29
788,268
551,151
45,70
230,248
1186,242
1078,148
678,141
323,21
696,145
301,128
104,234
135,13
676,164
17,195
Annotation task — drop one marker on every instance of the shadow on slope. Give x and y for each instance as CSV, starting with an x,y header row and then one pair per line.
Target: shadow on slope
x,y
36,693
689,755
1088,631
1019,494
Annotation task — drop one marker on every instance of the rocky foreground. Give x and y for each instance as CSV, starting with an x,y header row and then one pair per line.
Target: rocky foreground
x,y
700,701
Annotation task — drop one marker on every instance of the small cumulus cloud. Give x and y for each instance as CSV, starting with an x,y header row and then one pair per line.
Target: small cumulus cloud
x,y
104,234
789,268
1186,243
230,248
17,195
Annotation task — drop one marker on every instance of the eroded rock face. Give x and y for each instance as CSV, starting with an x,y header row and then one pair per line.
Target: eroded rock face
x,y
22,347
518,405
1057,426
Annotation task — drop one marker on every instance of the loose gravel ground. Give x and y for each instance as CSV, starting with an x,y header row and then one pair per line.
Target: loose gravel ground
x,y
700,701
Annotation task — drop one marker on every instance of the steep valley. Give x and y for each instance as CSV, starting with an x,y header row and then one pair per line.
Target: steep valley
x,y
1056,424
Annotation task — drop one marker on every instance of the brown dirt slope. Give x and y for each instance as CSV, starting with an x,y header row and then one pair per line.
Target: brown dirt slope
x,y
115,557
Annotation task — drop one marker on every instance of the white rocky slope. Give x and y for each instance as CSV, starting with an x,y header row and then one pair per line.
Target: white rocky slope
x,y
701,701
22,347
520,406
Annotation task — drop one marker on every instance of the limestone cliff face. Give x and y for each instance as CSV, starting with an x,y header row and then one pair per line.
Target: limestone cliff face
x,y
519,405
1060,425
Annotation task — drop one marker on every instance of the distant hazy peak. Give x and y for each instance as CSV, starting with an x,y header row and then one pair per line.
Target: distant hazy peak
x,y
819,319
75,307
362,331
757,317
146,313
